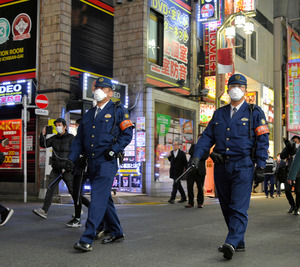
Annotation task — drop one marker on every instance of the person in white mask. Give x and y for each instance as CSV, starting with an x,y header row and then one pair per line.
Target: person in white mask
x,y
234,131
60,143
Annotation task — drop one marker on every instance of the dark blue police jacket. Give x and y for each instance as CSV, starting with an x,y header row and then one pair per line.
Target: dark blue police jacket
x,y
231,135
94,134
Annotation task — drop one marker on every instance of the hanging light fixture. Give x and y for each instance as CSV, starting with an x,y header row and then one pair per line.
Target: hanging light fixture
x,y
249,27
240,21
230,32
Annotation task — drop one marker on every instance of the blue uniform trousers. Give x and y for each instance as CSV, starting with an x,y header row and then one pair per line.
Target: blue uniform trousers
x,y
233,182
101,175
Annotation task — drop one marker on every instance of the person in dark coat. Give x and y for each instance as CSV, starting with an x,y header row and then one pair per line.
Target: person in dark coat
x,y
196,176
60,143
178,162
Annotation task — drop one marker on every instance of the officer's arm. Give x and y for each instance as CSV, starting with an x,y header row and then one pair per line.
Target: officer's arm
x,y
76,148
126,130
262,136
295,167
205,142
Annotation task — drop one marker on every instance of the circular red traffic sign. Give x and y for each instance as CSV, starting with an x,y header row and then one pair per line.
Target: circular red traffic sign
x,y
41,101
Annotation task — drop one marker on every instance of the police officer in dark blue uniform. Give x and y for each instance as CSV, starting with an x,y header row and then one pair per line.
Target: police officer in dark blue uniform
x,y
105,131
235,130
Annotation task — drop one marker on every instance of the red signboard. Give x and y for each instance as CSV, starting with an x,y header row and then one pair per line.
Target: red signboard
x,y
42,101
12,130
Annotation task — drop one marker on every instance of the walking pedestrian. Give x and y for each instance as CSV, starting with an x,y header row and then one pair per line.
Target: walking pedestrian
x,y
178,163
196,176
102,135
235,130
288,153
269,176
60,144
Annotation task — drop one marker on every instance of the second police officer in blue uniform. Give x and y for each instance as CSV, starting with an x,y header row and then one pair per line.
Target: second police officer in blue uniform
x,y
229,130
104,131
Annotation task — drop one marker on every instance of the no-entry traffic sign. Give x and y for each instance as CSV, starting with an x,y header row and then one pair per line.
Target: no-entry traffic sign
x,y
42,101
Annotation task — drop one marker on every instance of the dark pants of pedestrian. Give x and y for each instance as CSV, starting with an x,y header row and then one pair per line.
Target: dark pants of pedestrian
x,y
269,178
233,182
194,177
101,175
278,187
78,184
289,196
177,186
67,178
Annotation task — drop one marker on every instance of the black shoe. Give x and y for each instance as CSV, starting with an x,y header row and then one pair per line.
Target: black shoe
x,y
189,206
171,201
100,234
238,249
228,251
272,196
82,246
200,206
5,216
291,209
296,211
113,239
182,200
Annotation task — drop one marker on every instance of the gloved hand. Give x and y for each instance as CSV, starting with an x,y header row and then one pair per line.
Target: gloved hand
x,y
2,157
259,175
195,162
69,166
109,154
82,162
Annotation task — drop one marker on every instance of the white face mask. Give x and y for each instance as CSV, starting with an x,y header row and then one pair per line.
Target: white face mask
x,y
236,94
59,129
99,95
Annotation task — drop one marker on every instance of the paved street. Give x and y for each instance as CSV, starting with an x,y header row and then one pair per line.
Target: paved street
x,y
157,234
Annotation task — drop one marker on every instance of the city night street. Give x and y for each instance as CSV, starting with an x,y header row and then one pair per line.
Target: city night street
x,y
157,234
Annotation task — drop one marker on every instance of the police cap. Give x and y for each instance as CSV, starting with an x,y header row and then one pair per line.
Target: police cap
x,y
237,79
60,120
103,82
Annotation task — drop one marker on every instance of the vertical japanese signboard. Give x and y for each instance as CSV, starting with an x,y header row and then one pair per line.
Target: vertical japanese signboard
x,y
293,98
12,130
18,32
177,20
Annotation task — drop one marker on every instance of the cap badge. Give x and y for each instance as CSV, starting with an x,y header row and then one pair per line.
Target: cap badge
x,y
237,77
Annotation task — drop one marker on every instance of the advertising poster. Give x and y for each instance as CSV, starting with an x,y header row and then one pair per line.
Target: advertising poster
x,y
177,16
140,124
163,123
293,39
293,97
129,178
18,34
11,130
206,113
251,97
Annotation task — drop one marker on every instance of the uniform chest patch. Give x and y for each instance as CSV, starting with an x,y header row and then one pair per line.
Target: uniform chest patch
x,y
245,119
126,116
107,116
263,121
